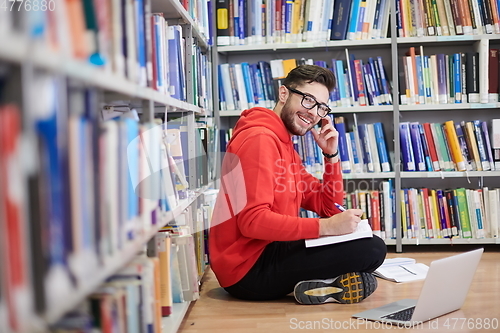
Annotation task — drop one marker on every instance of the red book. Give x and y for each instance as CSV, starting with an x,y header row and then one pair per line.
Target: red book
x,y
11,221
375,213
154,58
432,147
428,217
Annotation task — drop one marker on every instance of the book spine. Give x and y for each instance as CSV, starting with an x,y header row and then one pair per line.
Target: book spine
x,y
417,147
481,145
406,147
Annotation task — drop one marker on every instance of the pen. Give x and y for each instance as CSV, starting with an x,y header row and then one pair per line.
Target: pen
x,y
406,269
341,208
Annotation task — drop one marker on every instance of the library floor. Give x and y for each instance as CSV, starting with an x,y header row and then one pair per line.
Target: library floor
x,y
217,311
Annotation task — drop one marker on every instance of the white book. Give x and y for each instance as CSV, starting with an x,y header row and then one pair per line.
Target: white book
x,y
434,79
386,190
495,142
449,17
240,84
482,47
226,86
373,147
402,270
363,230
269,20
385,20
368,19
494,212
257,38
130,24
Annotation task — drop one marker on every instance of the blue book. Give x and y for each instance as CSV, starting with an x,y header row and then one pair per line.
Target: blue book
x,y
310,150
245,67
132,134
343,149
257,79
288,19
406,147
341,10
357,162
469,161
335,95
222,97
489,150
382,147
418,152
353,20
481,145
242,33
420,80
377,17
376,81
370,89
361,17
141,41
457,75
341,82
48,131
365,146
442,214
159,54
174,60
379,66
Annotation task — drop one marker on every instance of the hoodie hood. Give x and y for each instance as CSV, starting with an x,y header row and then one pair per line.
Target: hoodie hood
x,y
262,117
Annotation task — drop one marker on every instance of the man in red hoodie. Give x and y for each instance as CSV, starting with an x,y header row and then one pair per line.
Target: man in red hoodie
x,y
257,248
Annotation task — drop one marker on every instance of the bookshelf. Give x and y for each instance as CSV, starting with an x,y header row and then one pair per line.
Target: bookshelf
x,y
392,49
86,97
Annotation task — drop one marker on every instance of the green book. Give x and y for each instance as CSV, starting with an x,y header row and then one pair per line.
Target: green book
x,y
464,212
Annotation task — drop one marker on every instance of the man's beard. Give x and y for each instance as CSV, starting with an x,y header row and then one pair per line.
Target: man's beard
x,y
289,119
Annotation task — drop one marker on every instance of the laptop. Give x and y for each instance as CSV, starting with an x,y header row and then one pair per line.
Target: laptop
x,y
445,288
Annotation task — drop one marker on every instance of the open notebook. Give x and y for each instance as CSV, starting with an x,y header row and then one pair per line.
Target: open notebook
x,y
362,231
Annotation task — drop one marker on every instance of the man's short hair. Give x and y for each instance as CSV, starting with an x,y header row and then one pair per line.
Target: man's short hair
x,y
310,73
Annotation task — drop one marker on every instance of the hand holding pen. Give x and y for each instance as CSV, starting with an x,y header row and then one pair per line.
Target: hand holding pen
x,y
342,223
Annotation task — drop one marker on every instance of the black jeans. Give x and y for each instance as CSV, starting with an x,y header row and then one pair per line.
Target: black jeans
x,y
283,264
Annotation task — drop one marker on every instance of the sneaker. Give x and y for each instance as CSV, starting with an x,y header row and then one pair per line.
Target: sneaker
x,y
347,289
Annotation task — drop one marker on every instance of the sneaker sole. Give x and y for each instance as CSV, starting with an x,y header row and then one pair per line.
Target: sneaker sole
x,y
346,289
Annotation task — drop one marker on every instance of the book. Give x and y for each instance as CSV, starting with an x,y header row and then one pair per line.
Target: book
x,y
401,270
362,231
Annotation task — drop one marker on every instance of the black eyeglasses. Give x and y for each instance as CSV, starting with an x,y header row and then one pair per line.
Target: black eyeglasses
x,y
310,102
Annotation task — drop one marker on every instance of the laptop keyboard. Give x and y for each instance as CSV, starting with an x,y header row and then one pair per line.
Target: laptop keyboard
x,y
403,315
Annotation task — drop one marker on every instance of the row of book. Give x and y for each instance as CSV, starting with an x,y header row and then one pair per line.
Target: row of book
x,y
447,17
377,206
138,296
244,85
464,146
89,191
144,49
461,77
429,213
364,148
280,21
457,213
361,150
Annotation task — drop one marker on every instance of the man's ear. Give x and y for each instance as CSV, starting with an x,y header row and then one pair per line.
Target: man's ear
x,y
283,93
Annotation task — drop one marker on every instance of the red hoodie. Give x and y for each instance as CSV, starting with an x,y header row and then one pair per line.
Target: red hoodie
x,y
263,186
